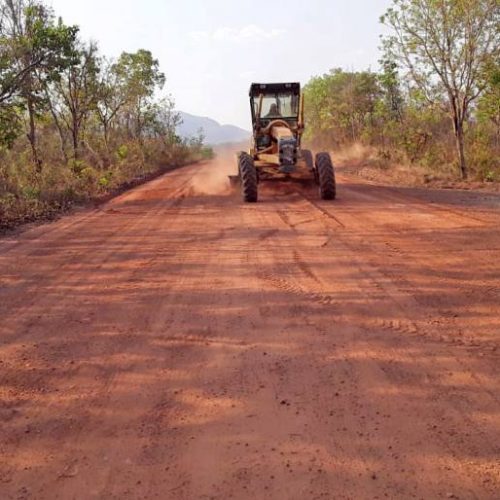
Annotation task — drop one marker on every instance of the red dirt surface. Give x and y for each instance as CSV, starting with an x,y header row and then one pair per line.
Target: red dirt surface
x,y
178,344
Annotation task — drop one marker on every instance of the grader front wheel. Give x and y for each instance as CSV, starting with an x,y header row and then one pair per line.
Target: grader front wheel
x,y
307,156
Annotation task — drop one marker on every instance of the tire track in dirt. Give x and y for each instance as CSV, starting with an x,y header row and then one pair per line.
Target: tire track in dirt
x,y
75,261
398,326
399,285
104,376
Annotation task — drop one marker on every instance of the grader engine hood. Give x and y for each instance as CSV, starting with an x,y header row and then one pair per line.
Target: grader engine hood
x,y
287,147
280,132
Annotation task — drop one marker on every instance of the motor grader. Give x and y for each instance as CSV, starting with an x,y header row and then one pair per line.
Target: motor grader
x,y
278,125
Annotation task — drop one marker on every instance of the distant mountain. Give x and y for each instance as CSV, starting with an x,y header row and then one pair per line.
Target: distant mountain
x,y
214,132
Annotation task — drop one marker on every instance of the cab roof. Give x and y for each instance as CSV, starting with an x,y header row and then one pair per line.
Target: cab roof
x,y
273,88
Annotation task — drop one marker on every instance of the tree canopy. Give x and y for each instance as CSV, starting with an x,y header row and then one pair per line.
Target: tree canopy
x,y
444,45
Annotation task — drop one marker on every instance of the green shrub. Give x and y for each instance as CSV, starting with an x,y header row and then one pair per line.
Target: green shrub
x,y
484,160
76,166
122,152
31,192
106,180
26,193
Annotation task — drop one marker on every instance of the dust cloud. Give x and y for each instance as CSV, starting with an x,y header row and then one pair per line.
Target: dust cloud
x,y
355,152
213,176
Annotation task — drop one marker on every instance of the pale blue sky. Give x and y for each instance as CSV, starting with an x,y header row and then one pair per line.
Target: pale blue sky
x,y
212,50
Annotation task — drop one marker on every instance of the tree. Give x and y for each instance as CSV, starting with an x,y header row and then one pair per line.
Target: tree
x,y
34,49
391,87
489,103
318,117
339,104
141,76
10,124
112,97
77,93
162,121
444,45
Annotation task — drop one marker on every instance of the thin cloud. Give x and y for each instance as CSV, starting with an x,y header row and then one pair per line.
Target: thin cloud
x,y
250,32
198,36
246,75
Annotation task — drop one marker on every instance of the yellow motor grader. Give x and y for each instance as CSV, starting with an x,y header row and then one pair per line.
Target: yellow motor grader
x,y
278,124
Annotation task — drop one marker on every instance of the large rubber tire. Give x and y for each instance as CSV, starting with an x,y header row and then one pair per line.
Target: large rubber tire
x,y
326,177
249,180
307,156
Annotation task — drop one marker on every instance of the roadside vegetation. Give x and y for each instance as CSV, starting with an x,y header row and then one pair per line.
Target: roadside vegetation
x,y
75,125
435,104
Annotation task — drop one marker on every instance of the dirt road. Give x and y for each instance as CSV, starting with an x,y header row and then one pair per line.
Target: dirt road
x,y
177,344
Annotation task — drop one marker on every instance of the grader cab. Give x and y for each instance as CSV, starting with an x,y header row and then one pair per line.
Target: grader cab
x,y
277,111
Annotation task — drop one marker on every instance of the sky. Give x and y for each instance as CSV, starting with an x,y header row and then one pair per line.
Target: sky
x,y
211,50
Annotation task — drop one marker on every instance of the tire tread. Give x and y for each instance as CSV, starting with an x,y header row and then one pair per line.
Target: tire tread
x,y
326,176
249,181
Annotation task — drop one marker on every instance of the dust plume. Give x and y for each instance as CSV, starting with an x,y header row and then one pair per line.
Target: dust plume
x,y
213,176
353,153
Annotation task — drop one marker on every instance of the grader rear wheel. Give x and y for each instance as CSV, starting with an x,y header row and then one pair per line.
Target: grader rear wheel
x,y
248,176
326,176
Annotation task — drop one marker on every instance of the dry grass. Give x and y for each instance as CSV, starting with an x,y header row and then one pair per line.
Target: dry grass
x,y
27,195
368,163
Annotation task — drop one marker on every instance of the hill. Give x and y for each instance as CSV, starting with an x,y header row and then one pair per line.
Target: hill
x,y
214,132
